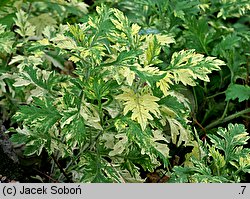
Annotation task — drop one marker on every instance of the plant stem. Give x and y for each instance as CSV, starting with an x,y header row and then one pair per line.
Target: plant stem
x,y
100,111
195,101
225,111
85,148
47,176
216,94
61,169
226,119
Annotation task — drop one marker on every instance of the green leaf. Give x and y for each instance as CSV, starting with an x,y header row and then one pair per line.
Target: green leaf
x,y
198,35
42,114
34,147
73,126
181,174
228,43
95,169
229,140
238,91
150,143
184,8
19,138
175,106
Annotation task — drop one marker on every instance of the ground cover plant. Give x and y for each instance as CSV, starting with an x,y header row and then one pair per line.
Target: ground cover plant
x,y
126,91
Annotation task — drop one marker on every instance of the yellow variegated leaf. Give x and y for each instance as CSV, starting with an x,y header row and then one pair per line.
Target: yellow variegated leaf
x,y
185,76
128,74
178,131
24,26
164,83
218,158
135,29
165,39
150,69
64,42
37,92
121,74
195,153
186,66
122,20
109,140
166,111
69,120
245,162
180,98
143,106
90,115
74,59
120,125
91,23
135,178
204,6
162,148
158,136
119,147
152,51
21,82
44,42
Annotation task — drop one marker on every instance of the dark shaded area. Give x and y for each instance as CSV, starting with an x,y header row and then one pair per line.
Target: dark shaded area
x,y
10,169
14,166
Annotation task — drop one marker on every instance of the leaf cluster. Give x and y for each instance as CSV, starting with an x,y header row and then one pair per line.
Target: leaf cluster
x,y
222,159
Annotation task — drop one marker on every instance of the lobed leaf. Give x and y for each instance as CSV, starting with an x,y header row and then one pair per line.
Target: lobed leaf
x,y
235,91
141,105
186,66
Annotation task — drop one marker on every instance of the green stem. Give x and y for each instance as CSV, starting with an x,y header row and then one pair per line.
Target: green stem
x,y
246,117
195,101
100,111
237,173
225,111
216,94
226,119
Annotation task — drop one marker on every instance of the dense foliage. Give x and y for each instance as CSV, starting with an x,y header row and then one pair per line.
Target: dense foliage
x,y
115,91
